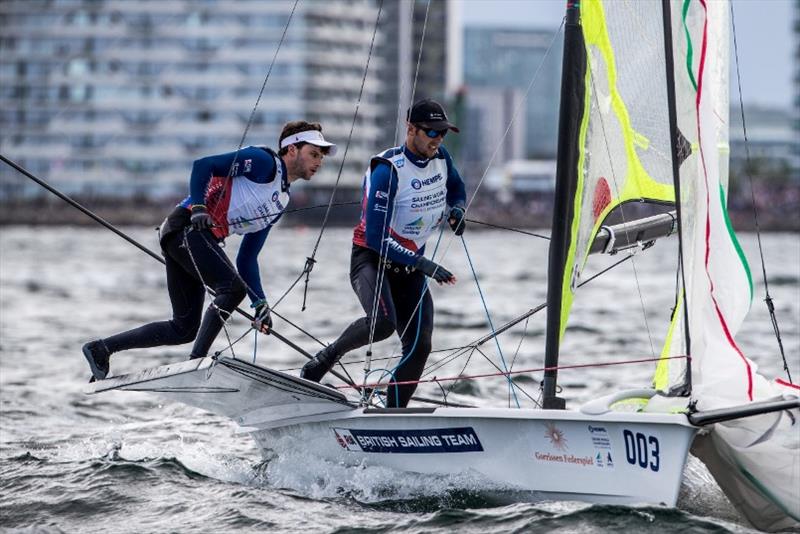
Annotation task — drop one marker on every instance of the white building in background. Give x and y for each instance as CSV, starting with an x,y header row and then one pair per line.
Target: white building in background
x,y
119,96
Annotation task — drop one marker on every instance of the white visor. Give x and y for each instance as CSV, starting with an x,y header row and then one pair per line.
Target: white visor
x,y
313,137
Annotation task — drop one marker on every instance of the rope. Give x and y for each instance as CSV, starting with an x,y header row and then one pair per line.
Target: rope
x,y
484,223
768,298
460,351
206,286
296,210
310,261
491,324
532,370
384,242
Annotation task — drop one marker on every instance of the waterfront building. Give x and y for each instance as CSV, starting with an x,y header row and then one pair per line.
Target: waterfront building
x,y
118,97
499,59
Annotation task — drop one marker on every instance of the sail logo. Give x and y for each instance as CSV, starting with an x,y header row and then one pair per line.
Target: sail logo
x,y
432,440
248,165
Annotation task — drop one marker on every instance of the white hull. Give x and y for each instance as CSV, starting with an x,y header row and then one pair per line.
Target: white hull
x,y
557,455
554,454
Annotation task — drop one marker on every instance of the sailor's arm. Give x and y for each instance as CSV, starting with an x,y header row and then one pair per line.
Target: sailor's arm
x,y
456,196
247,263
253,163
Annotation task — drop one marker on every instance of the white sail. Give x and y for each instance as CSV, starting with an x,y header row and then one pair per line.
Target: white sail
x,y
756,459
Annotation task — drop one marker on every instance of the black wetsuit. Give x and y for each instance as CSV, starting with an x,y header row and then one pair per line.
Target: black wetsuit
x,y
397,311
186,291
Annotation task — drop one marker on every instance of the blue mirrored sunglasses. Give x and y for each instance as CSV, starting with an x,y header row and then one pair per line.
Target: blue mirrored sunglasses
x,y
433,134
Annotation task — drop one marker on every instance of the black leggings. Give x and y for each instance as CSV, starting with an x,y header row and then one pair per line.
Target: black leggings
x,y
187,294
397,311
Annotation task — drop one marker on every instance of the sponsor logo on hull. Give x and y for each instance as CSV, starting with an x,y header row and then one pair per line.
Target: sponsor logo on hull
x,y
432,440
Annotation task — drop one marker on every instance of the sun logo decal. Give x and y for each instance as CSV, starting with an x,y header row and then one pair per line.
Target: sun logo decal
x,y
556,436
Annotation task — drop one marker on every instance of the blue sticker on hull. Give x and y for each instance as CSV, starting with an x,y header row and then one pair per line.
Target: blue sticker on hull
x,y
432,440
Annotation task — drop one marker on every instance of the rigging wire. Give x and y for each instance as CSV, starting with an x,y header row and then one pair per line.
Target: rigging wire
x,y
447,359
310,261
491,324
266,78
534,77
510,229
384,252
521,371
768,298
147,251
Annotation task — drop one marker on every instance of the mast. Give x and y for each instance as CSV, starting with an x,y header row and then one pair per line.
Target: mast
x,y
573,71
680,151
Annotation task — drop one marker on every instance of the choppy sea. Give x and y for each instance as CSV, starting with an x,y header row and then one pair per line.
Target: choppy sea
x,y
125,462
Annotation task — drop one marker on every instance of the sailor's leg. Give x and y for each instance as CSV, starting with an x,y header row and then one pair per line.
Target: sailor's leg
x,y
379,322
415,324
216,271
186,295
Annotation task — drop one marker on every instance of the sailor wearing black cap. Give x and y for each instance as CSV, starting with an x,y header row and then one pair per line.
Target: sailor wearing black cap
x,y
243,192
408,192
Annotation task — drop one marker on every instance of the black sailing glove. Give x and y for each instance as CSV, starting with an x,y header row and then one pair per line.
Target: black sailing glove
x,y
263,319
201,220
456,220
435,271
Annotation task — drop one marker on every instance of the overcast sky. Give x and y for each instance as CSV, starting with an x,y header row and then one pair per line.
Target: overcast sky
x,y
763,32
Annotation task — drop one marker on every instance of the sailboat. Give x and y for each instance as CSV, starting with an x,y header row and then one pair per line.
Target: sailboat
x,y
643,118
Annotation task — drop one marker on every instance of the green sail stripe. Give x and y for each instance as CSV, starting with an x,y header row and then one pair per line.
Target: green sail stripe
x,y
734,239
689,49
763,489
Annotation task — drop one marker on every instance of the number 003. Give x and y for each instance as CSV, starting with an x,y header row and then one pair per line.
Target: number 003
x,y
641,450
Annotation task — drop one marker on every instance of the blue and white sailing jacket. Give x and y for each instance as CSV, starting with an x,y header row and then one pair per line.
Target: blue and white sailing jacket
x,y
404,200
248,203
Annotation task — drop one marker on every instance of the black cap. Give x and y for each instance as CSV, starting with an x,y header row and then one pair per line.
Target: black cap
x,y
430,114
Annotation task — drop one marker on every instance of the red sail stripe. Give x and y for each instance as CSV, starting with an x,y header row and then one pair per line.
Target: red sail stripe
x,y
783,382
722,321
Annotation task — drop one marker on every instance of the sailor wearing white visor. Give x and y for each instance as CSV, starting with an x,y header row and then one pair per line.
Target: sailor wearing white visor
x,y
243,192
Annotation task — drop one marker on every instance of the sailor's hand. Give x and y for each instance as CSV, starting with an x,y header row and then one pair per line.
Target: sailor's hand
x,y
263,319
201,220
435,271
456,220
